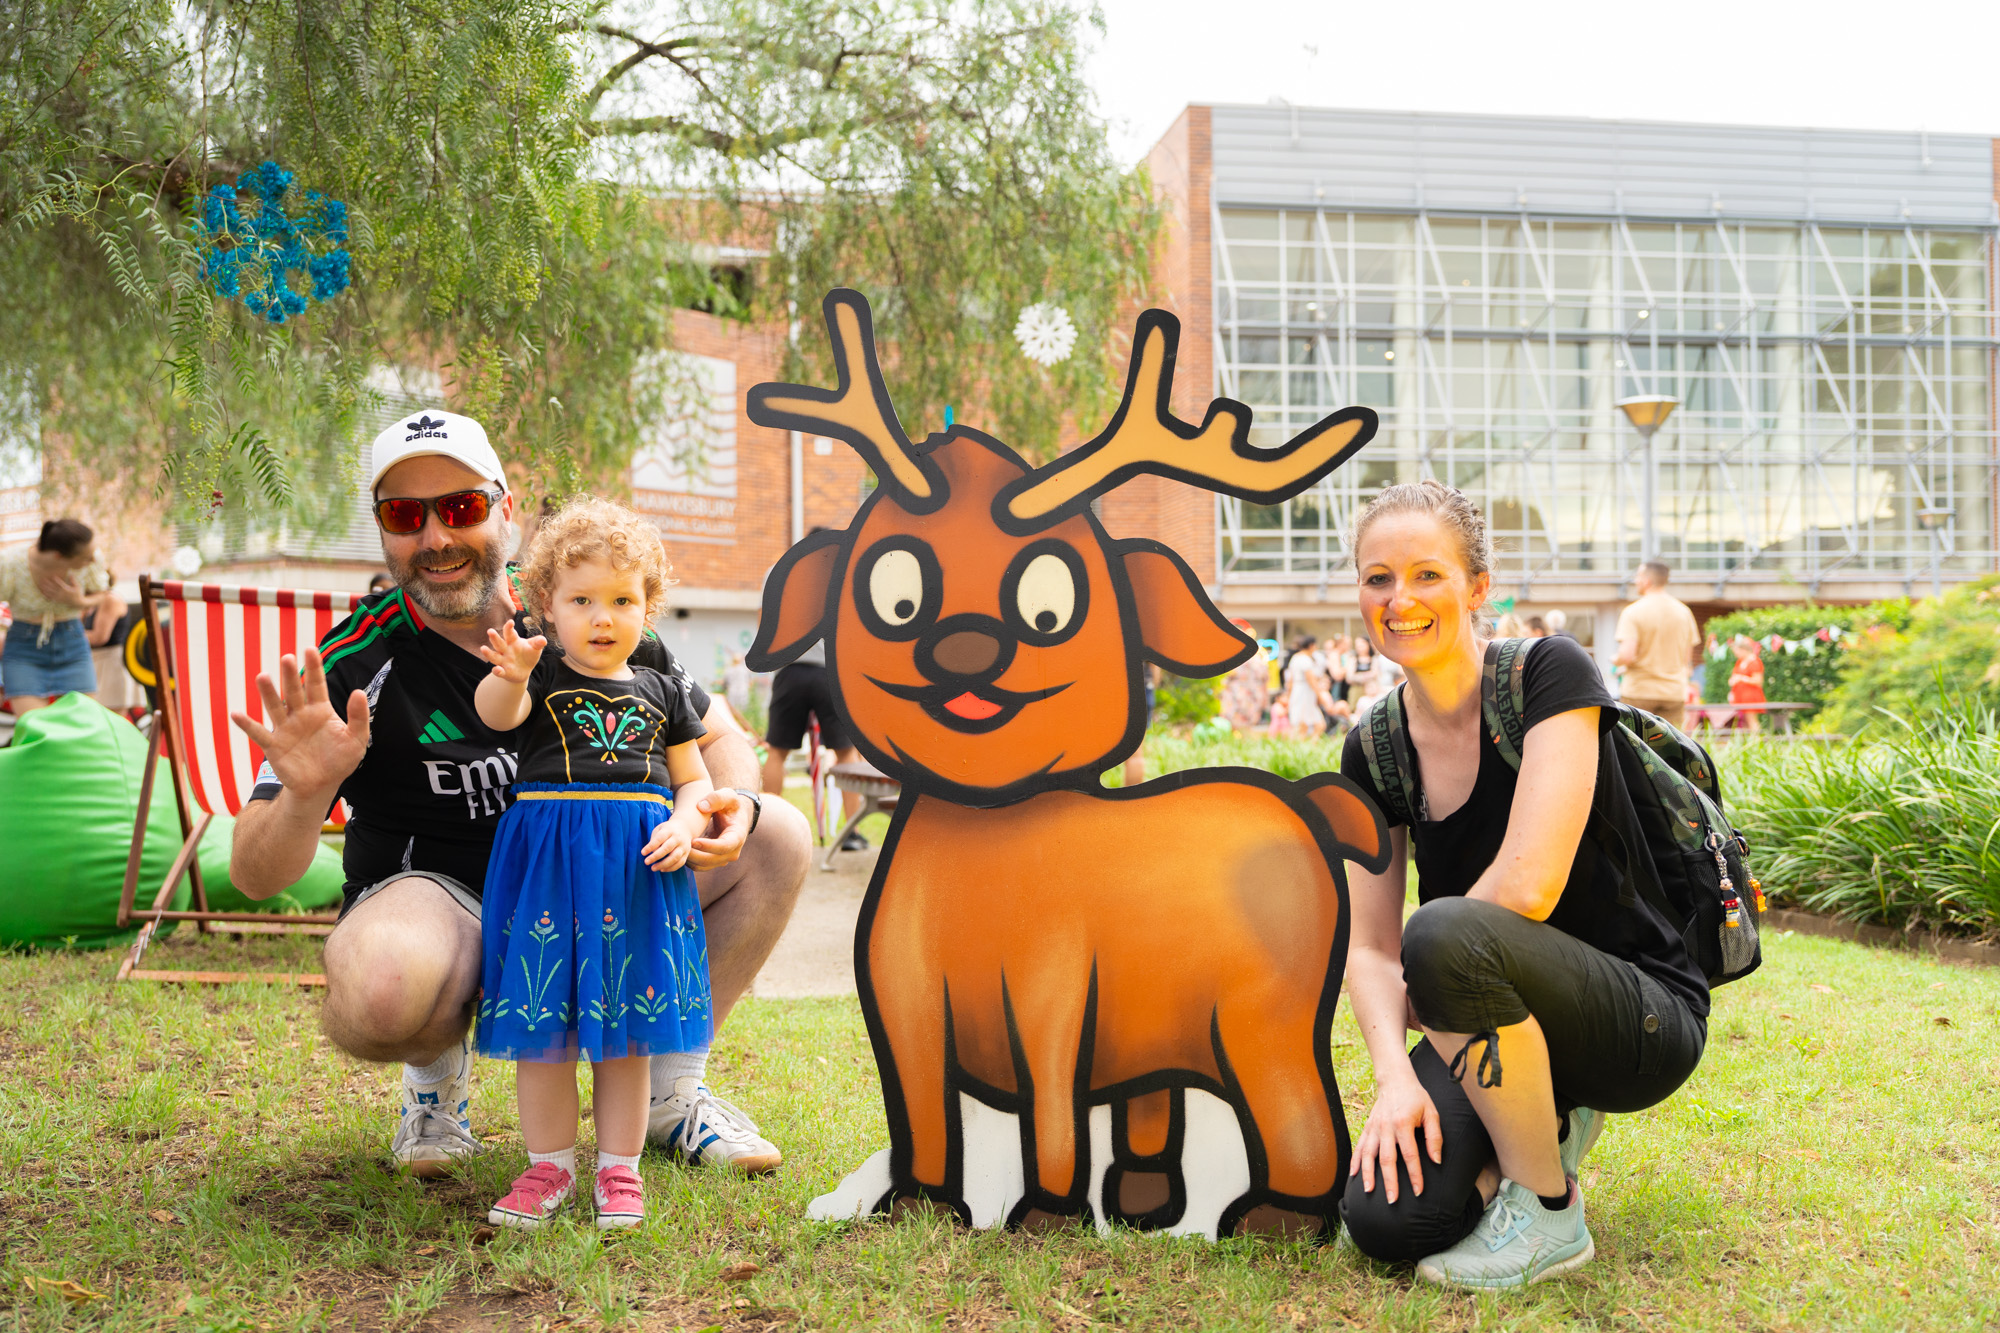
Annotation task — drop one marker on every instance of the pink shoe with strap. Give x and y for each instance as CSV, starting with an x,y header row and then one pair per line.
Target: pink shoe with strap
x,y
621,1198
536,1195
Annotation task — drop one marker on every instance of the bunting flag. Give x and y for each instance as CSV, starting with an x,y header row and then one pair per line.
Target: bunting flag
x,y
1831,635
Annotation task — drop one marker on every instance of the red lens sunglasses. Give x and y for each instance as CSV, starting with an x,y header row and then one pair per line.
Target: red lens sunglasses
x,y
460,509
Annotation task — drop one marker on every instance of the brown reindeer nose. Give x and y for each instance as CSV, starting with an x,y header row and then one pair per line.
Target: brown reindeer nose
x,y
966,653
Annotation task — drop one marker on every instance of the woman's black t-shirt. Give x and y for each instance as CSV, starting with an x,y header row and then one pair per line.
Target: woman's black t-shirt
x,y
588,729
1596,906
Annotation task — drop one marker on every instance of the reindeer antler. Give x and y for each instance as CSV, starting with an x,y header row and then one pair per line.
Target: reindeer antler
x,y
858,411
1216,456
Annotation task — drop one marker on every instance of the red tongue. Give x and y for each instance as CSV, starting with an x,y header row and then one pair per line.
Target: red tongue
x,y
971,707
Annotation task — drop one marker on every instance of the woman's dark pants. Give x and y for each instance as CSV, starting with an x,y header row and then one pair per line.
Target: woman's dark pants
x,y
1618,1041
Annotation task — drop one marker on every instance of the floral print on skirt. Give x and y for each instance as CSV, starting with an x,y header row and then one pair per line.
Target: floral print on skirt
x,y
587,951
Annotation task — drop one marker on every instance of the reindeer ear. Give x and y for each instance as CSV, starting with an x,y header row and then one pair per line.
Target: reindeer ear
x,y
797,601
1179,626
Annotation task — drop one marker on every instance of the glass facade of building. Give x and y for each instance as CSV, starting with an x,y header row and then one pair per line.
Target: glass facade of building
x,y
1836,387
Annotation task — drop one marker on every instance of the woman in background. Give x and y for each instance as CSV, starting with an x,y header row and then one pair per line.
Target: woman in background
x,y
1305,692
49,588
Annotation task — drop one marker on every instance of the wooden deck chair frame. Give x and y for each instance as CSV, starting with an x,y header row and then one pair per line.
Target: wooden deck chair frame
x,y
174,657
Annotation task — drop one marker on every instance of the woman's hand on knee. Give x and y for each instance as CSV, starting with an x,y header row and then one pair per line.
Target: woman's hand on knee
x,y
1401,1108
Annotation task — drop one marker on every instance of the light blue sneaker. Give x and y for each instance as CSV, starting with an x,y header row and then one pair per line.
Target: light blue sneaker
x,y
1584,1127
1517,1242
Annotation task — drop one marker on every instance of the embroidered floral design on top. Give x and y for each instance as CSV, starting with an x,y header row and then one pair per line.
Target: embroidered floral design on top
x,y
607,728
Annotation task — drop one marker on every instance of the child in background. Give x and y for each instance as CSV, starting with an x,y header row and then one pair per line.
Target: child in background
x,y
1746,681
593,934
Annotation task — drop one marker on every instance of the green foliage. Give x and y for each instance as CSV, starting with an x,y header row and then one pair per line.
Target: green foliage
x,y
1181,701
535,186
1167,752
1805,676
1954,639
1897,829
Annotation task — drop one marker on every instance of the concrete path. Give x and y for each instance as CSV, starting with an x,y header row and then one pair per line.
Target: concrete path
x,y
816,954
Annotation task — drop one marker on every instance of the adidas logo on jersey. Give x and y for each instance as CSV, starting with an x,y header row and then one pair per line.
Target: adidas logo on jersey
x,y
439,730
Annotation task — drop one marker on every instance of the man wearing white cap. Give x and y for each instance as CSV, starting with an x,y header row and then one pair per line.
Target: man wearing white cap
x,y
382,717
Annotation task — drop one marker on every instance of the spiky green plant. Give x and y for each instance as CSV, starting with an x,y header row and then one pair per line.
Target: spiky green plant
x,y
1901,829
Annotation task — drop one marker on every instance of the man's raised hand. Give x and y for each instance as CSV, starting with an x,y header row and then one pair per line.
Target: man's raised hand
x,y
308,744
512,656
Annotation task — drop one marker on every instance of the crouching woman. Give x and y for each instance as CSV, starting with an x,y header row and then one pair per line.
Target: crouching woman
x,y
1547,990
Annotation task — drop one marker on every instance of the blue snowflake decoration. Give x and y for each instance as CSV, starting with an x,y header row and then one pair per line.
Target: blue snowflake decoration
x,y
251,244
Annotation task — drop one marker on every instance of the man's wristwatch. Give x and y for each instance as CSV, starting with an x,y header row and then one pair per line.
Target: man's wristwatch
x,y
756,800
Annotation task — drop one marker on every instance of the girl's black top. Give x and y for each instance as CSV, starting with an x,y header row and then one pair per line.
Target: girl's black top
x,y
587,729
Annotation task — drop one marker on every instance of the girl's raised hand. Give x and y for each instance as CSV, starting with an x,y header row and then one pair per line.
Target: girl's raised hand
x,y
667,849
512,656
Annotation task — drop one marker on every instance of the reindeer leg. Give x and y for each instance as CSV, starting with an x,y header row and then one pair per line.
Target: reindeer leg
x,y
913,1011
1144,1183
1293,1117
1048,1035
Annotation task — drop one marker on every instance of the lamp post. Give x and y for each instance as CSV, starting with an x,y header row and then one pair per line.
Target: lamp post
x,y
1648,412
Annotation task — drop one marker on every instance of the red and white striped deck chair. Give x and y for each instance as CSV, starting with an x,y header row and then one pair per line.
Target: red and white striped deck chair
x,y
221,638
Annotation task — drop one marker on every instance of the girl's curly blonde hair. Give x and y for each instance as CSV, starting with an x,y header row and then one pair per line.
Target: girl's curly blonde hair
x,y
589,528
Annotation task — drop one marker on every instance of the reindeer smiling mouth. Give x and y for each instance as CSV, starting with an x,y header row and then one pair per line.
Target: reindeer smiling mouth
x,y
973,707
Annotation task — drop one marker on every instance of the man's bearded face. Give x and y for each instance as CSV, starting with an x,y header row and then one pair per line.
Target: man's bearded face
x,y
482,549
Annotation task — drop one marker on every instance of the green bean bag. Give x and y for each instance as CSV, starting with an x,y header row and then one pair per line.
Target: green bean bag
x,y
69,787
317,890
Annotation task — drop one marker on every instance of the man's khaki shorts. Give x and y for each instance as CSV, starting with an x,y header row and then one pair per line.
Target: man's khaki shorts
x,y
1671,711
461,895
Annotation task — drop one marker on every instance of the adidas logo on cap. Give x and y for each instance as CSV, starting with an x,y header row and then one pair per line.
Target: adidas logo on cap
x,y
439,434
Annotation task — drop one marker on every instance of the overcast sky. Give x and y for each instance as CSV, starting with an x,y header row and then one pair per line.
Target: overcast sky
x,y
1886,64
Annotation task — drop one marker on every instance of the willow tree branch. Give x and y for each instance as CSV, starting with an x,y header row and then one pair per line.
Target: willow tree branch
x,y
643,51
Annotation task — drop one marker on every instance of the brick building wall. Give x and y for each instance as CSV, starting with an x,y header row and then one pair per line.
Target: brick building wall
x,y
1180,515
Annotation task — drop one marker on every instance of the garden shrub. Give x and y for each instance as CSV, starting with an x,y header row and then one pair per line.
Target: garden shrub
x,y
1208,748
1808,675
1180,701
1953,640
1895,830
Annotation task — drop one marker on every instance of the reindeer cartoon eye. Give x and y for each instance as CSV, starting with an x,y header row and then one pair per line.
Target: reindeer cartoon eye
x,y
1045,592
897,586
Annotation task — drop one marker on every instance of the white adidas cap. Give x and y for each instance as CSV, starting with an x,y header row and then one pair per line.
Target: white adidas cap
x,y
440,435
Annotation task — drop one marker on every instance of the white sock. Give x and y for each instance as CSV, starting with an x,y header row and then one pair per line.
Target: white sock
x,y
566,1159
605,1159
669,1067
438,1070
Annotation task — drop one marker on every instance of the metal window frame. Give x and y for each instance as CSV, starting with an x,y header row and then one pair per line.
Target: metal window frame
x,y
1773,433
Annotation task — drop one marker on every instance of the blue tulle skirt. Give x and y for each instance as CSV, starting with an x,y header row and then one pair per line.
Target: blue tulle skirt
x,y
587,952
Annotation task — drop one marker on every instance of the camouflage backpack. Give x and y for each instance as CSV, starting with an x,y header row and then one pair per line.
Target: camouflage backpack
x,y
1695,857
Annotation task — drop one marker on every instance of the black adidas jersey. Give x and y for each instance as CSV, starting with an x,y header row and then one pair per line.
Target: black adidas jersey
x,y
435,781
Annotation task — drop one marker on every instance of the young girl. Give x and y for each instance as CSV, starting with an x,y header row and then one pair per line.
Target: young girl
x,y
593,933
1746,680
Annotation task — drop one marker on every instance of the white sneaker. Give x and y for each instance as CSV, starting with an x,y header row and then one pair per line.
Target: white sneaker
x,y
433,1132
699,1127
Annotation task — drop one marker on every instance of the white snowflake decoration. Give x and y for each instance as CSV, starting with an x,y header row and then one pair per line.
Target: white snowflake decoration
x,y
1045,333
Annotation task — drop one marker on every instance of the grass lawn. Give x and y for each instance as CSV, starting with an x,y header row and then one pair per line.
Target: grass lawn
x,y
204,1161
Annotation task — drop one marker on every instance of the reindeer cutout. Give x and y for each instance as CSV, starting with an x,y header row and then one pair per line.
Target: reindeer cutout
x,y
1091,1004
